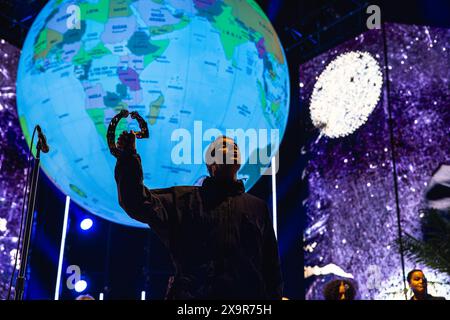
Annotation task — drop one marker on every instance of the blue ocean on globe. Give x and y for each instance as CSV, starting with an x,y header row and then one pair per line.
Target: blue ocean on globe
x,y
182,64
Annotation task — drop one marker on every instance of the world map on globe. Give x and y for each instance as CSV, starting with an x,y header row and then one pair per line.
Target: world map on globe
x,y
178,63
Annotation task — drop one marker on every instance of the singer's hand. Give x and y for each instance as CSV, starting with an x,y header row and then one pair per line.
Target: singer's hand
x,y
127,141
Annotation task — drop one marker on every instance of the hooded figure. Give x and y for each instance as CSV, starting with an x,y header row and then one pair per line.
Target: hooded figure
x,y
221,239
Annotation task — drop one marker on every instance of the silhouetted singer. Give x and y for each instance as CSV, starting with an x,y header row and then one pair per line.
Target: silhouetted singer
x,y
220,238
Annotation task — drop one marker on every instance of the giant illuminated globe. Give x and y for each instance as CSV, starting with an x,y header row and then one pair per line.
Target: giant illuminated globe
x,y
186,65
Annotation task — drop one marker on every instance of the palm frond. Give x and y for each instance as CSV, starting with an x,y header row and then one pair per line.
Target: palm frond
x,y
434,249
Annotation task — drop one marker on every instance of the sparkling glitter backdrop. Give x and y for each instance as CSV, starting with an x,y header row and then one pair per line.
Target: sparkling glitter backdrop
x,y
13,155
351,207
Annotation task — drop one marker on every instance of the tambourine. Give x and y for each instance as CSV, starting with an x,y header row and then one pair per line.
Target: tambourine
x,y
111,134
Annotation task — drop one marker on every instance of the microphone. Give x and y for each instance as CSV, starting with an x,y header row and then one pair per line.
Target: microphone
x,y
42,141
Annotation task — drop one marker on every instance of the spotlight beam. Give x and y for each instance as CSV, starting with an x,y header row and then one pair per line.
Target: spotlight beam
x,y
61,249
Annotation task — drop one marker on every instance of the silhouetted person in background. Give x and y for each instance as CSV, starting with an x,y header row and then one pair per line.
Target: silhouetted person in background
x,y
419,285
339,290
220,238
85,297
438,190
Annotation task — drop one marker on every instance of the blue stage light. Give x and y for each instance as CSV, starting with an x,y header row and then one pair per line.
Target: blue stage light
x,y
80,286
86,224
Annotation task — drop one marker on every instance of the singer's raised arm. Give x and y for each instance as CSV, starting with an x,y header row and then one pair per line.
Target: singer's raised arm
x,y
154,208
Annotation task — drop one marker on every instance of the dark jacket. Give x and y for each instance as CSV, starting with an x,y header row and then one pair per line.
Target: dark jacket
x,y
220,238
430,297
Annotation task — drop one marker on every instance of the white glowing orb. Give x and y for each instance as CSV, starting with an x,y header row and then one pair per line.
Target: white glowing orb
x,y
80,286
86,224
392,288
346,93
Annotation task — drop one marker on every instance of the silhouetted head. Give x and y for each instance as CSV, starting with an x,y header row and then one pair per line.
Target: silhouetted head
x,y
339,290
223,159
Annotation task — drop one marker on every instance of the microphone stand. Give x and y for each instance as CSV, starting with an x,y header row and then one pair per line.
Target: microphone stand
x,y
20,281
